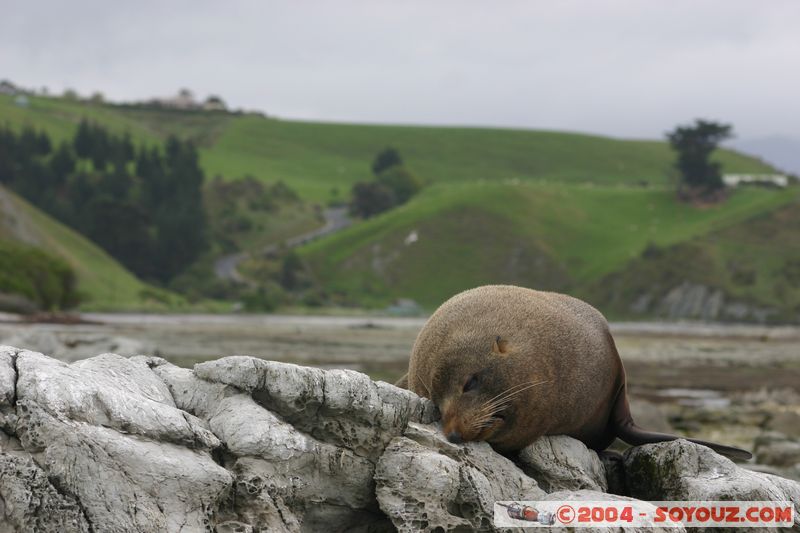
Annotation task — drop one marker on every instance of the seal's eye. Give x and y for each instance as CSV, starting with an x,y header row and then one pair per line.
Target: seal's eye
x,y
471,383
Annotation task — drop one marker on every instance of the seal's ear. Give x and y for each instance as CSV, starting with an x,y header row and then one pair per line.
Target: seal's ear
x,y
500,346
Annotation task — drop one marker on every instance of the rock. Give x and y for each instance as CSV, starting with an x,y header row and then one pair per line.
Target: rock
x,y
109,391
787,422
651,416
425,483
776,449
590,495
74,346
563,463
107,432
32,503
339,406
614,466
682,470
243,445
8,387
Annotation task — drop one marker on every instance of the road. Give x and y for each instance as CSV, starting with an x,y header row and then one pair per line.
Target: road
x,y
336,219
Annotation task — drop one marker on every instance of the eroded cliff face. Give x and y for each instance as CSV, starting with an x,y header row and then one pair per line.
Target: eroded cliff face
x,y
241,444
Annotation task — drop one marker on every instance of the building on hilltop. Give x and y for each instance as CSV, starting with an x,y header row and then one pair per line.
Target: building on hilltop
x,y
775,180
183,100
214,103
6,87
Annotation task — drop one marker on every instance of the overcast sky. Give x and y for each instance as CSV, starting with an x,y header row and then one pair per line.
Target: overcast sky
x,y
625,68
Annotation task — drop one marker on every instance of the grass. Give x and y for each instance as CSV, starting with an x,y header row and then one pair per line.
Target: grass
x,y
316,158
538,234
103,282
322,160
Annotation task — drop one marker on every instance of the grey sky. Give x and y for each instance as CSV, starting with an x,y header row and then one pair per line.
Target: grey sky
x,y
625,68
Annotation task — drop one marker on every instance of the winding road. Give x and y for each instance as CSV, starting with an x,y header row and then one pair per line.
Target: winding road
x,y
336,219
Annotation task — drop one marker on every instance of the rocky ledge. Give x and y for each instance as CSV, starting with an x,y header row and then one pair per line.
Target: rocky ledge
x,y
241,444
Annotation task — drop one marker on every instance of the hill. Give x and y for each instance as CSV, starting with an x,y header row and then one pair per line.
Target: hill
x,y
747,271
103,282
544,235
553,210
322,160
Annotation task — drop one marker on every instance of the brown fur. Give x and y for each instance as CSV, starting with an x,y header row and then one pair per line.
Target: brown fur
x,y
543,361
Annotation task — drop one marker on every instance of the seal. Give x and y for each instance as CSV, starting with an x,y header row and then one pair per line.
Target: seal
x,y
506,365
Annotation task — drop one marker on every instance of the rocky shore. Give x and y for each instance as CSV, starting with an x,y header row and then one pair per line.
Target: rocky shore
x,y
241,444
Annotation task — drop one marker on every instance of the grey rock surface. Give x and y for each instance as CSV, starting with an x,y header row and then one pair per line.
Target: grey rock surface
x,y
681,470
246,445
562,463
776,449
425,483
591,495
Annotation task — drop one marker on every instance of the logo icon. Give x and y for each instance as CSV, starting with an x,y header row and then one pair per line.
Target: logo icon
x,y
528,514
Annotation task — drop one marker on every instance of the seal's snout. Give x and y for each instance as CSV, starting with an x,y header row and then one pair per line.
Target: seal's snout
x,y
455,437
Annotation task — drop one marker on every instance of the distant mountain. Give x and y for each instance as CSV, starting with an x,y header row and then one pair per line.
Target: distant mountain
x,y
781,152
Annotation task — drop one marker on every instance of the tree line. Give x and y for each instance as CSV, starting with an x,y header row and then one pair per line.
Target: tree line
x,y
142,204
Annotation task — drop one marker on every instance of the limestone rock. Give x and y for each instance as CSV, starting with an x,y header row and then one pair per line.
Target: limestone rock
x,y
245,445
425,483
343,407
563,463
107,434
682,470
591,495
32,503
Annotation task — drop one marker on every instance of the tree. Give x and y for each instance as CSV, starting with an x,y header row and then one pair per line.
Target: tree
x,y
83,139
62,163
694,145
403,183
371,198
386,159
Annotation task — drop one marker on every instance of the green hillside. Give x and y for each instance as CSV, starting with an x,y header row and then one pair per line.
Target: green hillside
x,y
103,282
314,158
561,237
755,264
553,210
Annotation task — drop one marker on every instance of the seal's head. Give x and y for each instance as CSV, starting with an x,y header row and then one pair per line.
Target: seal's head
x,y
475,390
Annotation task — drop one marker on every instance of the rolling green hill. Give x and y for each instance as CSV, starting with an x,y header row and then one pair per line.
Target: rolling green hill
x,y
315,158
103,282
552,210
551,236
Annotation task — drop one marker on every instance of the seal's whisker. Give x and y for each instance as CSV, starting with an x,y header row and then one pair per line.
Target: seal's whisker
x,y
509,393
494,408
483,418
427,389
507,390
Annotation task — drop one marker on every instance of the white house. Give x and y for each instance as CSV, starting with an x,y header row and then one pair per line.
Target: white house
x,y
734,180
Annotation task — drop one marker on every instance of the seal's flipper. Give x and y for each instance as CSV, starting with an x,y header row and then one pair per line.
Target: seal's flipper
x,y
626,429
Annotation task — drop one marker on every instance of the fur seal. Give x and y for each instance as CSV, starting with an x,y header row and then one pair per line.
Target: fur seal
x,y
507,364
